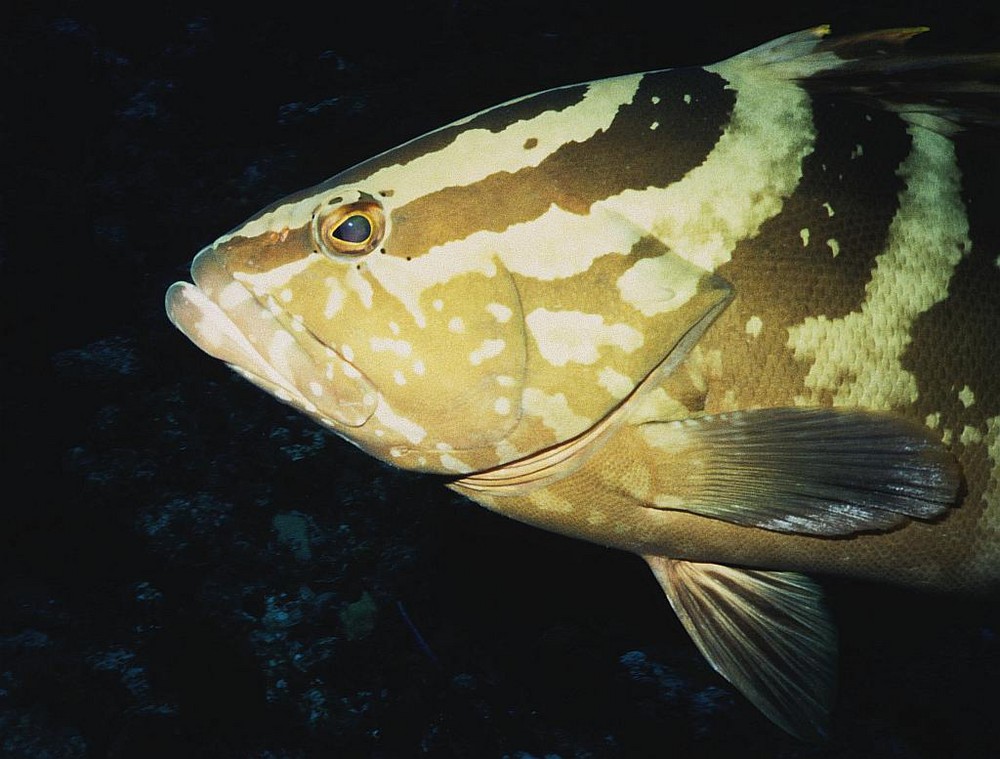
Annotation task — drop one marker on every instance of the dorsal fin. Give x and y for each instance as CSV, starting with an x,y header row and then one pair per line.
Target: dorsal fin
x,y
957,90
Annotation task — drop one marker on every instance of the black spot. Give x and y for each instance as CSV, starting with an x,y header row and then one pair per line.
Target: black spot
x,y
530,143
334,201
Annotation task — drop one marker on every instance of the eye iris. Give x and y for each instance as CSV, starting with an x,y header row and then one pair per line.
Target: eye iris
x,y
354,229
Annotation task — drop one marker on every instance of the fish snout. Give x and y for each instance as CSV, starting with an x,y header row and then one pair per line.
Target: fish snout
x,y
225,319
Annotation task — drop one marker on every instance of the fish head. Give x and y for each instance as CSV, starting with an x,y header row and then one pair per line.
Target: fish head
x,y
388,352
439,313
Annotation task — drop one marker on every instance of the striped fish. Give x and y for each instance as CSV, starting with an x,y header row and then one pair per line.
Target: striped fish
x,y
730,319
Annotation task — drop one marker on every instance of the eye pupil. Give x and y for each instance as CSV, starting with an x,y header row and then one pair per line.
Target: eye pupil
x,y
354,229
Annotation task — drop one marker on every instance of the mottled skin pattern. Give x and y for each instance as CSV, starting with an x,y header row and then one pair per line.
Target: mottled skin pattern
x,y
558,301
747,360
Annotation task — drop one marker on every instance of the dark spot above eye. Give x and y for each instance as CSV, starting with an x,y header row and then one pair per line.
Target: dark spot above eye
x,y
334,201
530,143
386,193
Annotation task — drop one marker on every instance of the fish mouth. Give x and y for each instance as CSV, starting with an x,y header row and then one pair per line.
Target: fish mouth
x,y
261,342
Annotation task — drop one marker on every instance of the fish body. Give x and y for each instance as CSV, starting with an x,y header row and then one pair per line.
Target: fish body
x,y
730,318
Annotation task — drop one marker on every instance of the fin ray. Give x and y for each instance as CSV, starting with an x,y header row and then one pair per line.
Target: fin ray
x,y
768,633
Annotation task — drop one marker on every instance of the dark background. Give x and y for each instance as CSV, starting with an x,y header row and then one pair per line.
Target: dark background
x,y
191,569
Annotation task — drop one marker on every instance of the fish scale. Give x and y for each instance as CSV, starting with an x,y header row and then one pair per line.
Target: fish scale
x,y
736,319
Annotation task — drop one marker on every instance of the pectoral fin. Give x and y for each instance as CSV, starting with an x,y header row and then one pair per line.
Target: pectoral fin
x,y
813,471
766,632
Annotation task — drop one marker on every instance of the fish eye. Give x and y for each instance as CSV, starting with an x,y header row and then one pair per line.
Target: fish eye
x,y
354,229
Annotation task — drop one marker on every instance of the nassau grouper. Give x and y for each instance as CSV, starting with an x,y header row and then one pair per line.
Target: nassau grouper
x,y
729,318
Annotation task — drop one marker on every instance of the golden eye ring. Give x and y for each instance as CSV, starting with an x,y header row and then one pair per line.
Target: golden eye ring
x,y
355,229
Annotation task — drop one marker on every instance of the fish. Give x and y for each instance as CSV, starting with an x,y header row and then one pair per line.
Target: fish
x,y
733,319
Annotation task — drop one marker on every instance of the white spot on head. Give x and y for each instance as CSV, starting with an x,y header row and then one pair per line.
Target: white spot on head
x,y
554,412
419,368
754,325
272,279
281,348
655,99
335,299
504,381
502,406
687,99
454,464
564,336
399,378
616,383
401,348
316,389
834,246
500,312
654,125
232,295
933,420
804,234
361,287
857,152
394,328
488,349
829,209
657,285
347,352
410,430
286,295
456,325
438,304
